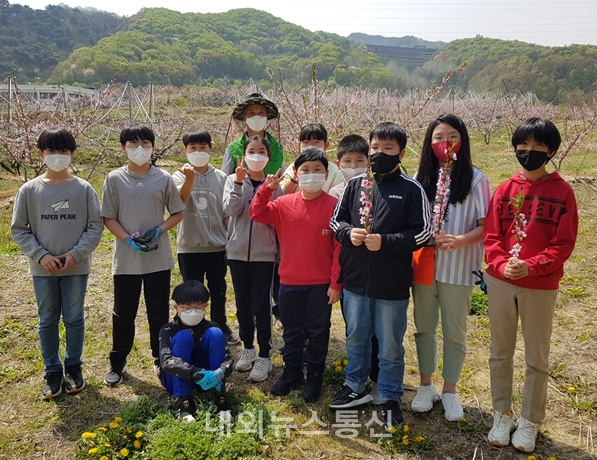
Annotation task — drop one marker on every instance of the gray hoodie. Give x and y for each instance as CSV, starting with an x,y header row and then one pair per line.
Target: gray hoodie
x,y
248,241
202,229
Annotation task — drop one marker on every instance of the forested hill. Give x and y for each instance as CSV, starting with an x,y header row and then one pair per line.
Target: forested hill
x,y
164,46
32,41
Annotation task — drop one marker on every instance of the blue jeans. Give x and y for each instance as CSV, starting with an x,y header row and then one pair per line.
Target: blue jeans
x,y
387,319
210,354
56,296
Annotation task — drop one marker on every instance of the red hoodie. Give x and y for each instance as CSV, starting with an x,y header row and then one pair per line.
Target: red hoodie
x,y
552,225
309,249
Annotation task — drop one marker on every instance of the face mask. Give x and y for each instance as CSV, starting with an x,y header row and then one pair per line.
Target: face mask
x,y
349,173
198,159
382,163
311,182
139,155
191,317
441,150
57,161
531,160
319,149
256,162
256,123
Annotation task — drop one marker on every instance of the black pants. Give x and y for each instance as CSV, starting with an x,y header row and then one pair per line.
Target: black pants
x,y
127,293
305,314
210,265
252,282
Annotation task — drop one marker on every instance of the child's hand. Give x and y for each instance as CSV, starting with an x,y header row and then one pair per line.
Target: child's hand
x,y
334,296
50,263
273,180
373,241
357,236
140,247
447,242
188,172
69,261
516,270
210,379
241,171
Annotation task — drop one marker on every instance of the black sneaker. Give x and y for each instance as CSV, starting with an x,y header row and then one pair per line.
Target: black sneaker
x,y
53,388
392,414
290,379
223,408
186,409
114,376
73,382
312,390
346,398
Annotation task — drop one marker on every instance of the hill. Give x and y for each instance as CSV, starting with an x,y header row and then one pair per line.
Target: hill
x,y
164,46
32,41
407,41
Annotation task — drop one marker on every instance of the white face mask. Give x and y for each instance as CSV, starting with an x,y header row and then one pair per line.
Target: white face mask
x,y
256,161
349,173
57,161
319,149
198,159
139,155
256,123
191,317
311,182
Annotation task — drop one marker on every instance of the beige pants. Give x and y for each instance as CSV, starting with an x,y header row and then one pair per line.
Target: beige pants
x,y
535,308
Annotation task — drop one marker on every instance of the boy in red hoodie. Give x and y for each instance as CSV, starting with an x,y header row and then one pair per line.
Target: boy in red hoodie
x,y
309,271
530,231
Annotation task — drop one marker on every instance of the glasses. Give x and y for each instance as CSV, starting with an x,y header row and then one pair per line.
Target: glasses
x,y
195,306
446,139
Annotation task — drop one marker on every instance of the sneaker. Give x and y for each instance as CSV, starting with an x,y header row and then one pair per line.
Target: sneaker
x,y
452,407
426,396
73,382
186,409
392,414
261,369
375,394
246,358
223,408
503,424
233,338
525,435
290,379
346,398
312,390
113,376
54,382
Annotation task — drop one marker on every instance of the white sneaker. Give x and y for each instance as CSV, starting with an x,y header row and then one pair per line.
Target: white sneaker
x,y
503,424
525,435
261,370
226,417
187,417
375,394
246,358
426,396
452,407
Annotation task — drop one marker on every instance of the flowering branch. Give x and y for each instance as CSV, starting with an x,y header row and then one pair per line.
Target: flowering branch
x,y
366,200
442,193
520,225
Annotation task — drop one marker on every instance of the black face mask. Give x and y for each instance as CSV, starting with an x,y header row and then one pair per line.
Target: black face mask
x,y
531,160
382,163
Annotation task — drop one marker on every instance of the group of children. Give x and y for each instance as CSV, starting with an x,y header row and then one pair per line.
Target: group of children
x,y
345,232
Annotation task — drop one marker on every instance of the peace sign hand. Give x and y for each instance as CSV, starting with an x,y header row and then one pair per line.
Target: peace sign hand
x,y
241,171
273,180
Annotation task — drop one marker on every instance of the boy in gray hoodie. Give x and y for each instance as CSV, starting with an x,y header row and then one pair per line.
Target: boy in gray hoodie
x,y
56,223
202,234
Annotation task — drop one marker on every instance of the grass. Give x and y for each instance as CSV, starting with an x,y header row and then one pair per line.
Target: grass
x,y
32,428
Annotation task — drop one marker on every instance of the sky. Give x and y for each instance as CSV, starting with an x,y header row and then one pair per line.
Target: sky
x,y
544,22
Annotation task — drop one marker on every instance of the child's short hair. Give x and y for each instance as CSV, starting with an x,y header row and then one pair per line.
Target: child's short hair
x,y
311,154
190,292
313,131
352,143
137,132
538,129
263,140
196,137
387,131
56,139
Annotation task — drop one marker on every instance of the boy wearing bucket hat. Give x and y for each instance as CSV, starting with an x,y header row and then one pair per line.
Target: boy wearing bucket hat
x,y
255,112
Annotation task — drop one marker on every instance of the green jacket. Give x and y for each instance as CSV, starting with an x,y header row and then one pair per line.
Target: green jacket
x,y
276,153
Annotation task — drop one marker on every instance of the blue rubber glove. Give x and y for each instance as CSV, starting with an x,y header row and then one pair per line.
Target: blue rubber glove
x,y
211,379
150,235
129,240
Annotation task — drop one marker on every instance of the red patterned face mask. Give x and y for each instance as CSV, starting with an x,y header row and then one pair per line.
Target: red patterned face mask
x,y
442,149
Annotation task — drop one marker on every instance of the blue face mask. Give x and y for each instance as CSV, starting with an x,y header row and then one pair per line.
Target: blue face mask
x,y
531,160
